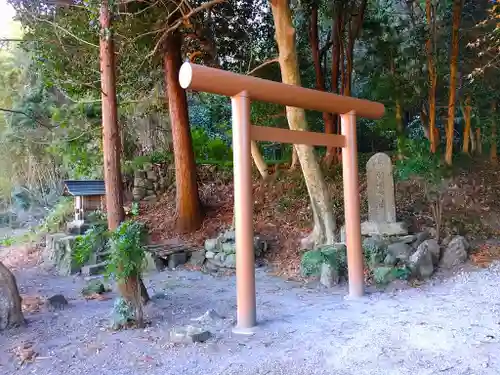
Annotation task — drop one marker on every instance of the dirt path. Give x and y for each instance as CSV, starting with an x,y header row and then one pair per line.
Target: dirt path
x,y
452,327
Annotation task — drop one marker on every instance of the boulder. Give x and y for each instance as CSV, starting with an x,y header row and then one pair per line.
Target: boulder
x,y
189,335
138,193
59,254
229,235
369,228
176,260
151,175
139,182
434,249
11,314
139,175
390,260
197,258
329,275
400,250
422,262
455,253
93,287
421,237
211,244
230,261
210,255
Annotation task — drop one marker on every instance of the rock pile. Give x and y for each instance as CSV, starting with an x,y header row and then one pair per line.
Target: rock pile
x,y
388,258
220,252
150,181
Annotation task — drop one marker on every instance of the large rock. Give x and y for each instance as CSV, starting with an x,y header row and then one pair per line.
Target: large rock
x,y
11,314
383,274
189,335
372,228
59,254
421,237
400,251
329,275
176,260
230,261
197,258
433,247
211,244
422,263
455,253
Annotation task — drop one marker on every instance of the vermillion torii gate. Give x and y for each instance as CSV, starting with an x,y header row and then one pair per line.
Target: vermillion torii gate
x,y
242,89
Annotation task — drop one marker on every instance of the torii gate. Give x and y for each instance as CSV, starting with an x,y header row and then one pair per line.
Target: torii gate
x,y
242,89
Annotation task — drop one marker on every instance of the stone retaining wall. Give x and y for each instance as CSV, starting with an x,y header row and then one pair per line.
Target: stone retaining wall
x,y
151,180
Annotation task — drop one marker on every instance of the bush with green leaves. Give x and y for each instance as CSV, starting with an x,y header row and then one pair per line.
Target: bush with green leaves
x,y
208,148
59,215
430,171
127,245
93,241
333,255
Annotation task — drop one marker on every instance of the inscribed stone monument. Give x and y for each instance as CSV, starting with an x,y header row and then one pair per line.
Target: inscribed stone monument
x,y
381,201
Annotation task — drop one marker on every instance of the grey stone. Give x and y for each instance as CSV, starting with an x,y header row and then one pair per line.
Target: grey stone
x,y
138,193
406,239
197,258
148,184
211,244
422,263
10,301
57,302
210,266
220,257
375,250
154,263
59,254
400,250
77,227
229,235
455,253
93,287
229,247
139,182
421,237
150,198
370,228
94,269
434,249
152,176
176,260
329,275
390,260
147,167
210,255
380,182
140,175
189,335
230,261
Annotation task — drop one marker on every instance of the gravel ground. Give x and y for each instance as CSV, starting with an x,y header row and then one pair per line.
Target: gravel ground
x,y
447,327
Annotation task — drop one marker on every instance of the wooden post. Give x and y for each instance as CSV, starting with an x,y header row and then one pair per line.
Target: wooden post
x,y
243,214
351,206
110,130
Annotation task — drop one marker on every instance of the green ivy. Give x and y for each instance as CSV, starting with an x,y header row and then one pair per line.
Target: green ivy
x,y
94,240
127,250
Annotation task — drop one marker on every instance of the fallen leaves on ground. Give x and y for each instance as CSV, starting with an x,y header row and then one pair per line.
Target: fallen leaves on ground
x,y
31,304
485,255
25,353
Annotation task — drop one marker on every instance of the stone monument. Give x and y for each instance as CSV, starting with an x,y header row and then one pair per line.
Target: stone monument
x,y
381,201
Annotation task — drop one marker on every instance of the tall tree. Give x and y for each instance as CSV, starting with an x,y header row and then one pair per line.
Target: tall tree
x,y
450,127
188,204
430,15
324,223
132,288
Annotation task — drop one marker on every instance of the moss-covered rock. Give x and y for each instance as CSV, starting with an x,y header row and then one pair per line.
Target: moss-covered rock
x,y
335,256
93,287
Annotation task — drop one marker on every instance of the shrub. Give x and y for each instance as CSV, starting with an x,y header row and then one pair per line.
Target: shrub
x,y
58,216
94,240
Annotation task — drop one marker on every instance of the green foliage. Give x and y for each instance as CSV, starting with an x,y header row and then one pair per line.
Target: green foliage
x,y
335,256
58,216
6,242
207,148
127,250
93,241
374,251
123,314
135,209
93,287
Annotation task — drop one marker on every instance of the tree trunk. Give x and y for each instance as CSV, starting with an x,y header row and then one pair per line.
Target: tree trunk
x,y
11,314
320,79
295,160
450,127
353,30
431,67
188,205
479,141
129,288
473,143
259,161
324,223
399,129
493,148
467,129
